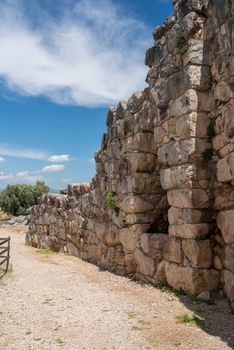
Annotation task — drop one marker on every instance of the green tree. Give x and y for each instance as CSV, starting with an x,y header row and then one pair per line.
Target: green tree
x,y
16,199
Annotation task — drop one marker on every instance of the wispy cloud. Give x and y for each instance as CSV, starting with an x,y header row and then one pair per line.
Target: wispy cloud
x,y
29,176
16,152
59,158
53,168
23,176
80,58
22,153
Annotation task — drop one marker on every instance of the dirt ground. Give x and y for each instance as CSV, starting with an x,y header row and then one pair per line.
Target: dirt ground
x,y
55,301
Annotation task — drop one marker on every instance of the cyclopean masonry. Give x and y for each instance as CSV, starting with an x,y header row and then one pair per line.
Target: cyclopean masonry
x,y
166,163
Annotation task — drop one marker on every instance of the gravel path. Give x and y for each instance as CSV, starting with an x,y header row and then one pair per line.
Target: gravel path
x,y
60,302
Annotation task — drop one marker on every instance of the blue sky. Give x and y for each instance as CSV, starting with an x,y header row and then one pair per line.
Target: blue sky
x,y
62,64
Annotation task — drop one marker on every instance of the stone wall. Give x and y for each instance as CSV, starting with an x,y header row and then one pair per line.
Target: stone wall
x,y
166,163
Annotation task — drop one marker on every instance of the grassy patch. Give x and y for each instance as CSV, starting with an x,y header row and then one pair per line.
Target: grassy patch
x,y
144,322
189,319
169,290
132,314
46,251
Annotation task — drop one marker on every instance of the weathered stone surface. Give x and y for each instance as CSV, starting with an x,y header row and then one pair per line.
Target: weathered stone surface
x,y
204,296
191,199
154,245
225,221
173,251
199,253
188,216
145,265
229,258
135,204
225,168
141,162
128,238
94,252
186,278
160,272
112,238
189,231
176,152
177,177
228,277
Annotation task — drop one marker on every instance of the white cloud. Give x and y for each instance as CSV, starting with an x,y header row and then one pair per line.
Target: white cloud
x,y
2,159
92,55
52,168
22,153
59,158
19,177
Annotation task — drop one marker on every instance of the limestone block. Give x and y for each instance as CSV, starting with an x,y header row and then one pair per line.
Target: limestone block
x,y
142,183
196,52
229,123
100,230
142,142
159,134
141,162
186,278
199,6
73,250
154,245
225,221
184,104
220,141
135,204
185,198
90,237
178,216
229,258
224,199
189,231
145,264
176,152
94,252
225,168
186,125
177,177
173,251
228,278
128,238
212,279
199,253
130,263
199,77
160,272
111,238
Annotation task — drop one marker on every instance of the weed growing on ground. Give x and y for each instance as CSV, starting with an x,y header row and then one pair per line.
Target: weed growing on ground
x,y
189,319
46,251
132,314
167,289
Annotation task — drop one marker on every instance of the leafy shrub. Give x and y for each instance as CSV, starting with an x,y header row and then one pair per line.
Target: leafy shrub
x,y
181,41
111,202
207,154
16,199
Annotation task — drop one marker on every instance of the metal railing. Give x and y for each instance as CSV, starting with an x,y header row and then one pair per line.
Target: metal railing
x,y
4,255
